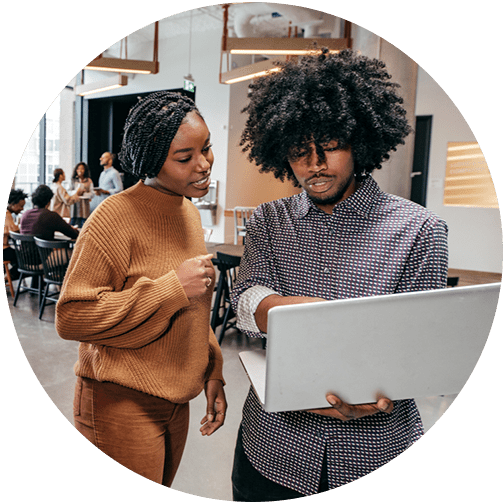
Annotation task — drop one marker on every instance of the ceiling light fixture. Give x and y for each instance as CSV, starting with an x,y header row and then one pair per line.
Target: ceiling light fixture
x,y
248,72
283,46
102,85
128,65
123,65
268,46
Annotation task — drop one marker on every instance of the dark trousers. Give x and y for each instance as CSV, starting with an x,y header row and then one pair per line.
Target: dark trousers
x,y
9,254
77,221
250,486
144,433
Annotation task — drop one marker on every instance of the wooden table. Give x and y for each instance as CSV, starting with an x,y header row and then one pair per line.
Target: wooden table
x,y
225,248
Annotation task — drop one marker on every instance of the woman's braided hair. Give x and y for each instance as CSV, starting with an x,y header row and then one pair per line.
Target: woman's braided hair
x,y
149,130
324,97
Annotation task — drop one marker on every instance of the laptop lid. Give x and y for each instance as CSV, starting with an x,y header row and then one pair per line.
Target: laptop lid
x,y
409,345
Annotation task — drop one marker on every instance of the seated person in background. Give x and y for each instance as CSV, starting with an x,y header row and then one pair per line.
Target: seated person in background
x,y
42,222
81,179
17,200
62,201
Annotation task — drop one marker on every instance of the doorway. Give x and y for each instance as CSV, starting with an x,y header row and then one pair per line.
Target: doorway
x,y
420,170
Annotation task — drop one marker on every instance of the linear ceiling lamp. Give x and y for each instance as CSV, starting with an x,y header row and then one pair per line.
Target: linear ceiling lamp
x,y
268,46
283,46
128,65
102,85
248,72
123,65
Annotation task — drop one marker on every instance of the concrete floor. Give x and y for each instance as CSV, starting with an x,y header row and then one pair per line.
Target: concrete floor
x,y
209,458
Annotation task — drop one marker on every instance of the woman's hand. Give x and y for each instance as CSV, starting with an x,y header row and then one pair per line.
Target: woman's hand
x,y
216,407
344,412
196,275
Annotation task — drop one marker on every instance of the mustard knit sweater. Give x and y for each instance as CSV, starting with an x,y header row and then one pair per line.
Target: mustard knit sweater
x,y
122,300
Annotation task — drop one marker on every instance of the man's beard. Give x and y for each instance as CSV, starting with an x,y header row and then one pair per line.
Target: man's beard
x,y
335,198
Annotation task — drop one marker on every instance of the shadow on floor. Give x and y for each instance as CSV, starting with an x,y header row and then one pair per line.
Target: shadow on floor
x,y
210,458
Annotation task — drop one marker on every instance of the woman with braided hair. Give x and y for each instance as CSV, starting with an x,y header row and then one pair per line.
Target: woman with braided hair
x,y
137,296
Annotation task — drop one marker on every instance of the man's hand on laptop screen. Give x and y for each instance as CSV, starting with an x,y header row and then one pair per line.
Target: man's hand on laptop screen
x,y
345,412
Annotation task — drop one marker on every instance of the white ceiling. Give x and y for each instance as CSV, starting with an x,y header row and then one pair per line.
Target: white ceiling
x,y
255,18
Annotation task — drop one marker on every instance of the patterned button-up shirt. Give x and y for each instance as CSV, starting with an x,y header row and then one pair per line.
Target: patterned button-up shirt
x,y
373,243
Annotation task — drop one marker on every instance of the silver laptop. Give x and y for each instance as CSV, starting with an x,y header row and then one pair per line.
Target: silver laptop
x,y
411,345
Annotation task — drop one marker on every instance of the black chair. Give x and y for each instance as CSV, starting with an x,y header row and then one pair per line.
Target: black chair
x,y
222,311
55,256
452,281
29,264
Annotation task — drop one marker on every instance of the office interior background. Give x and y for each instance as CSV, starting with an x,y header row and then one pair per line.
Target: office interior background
x,y
81,128
189,44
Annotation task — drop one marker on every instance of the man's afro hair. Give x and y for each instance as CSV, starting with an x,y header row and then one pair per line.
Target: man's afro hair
x,y
319,98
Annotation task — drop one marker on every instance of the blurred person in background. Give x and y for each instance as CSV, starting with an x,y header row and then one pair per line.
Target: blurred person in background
x,y
41,222
15,205
81,180
62,201
110,181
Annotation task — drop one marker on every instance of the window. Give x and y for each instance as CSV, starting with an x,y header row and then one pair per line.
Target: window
x,y
468,181
27,175
42,152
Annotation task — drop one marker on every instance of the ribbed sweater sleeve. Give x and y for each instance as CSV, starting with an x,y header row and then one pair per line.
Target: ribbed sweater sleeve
x,y
123,301
129,318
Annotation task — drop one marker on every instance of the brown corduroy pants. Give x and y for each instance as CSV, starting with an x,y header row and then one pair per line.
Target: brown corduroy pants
x,y
144,433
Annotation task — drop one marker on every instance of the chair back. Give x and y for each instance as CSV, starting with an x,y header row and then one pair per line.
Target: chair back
x,y
241,216
226,261
26,253
227,265
55,256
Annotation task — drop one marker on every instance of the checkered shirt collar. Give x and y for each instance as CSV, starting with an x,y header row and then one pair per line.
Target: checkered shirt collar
x,y
361,201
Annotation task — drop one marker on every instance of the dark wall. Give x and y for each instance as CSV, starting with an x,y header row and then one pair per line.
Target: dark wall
x,y
103,124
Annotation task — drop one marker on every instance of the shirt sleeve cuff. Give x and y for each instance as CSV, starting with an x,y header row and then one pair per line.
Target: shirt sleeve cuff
x,y
247,306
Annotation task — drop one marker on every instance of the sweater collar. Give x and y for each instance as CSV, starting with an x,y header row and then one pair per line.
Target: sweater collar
x,y
157,200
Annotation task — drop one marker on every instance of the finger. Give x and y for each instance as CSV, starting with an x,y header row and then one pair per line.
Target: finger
x,y
210,427
385,405
351,411
210,411
333,413
220,411
204,258
210,416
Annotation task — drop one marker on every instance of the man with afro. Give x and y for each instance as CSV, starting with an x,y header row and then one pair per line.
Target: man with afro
x,y
325,122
